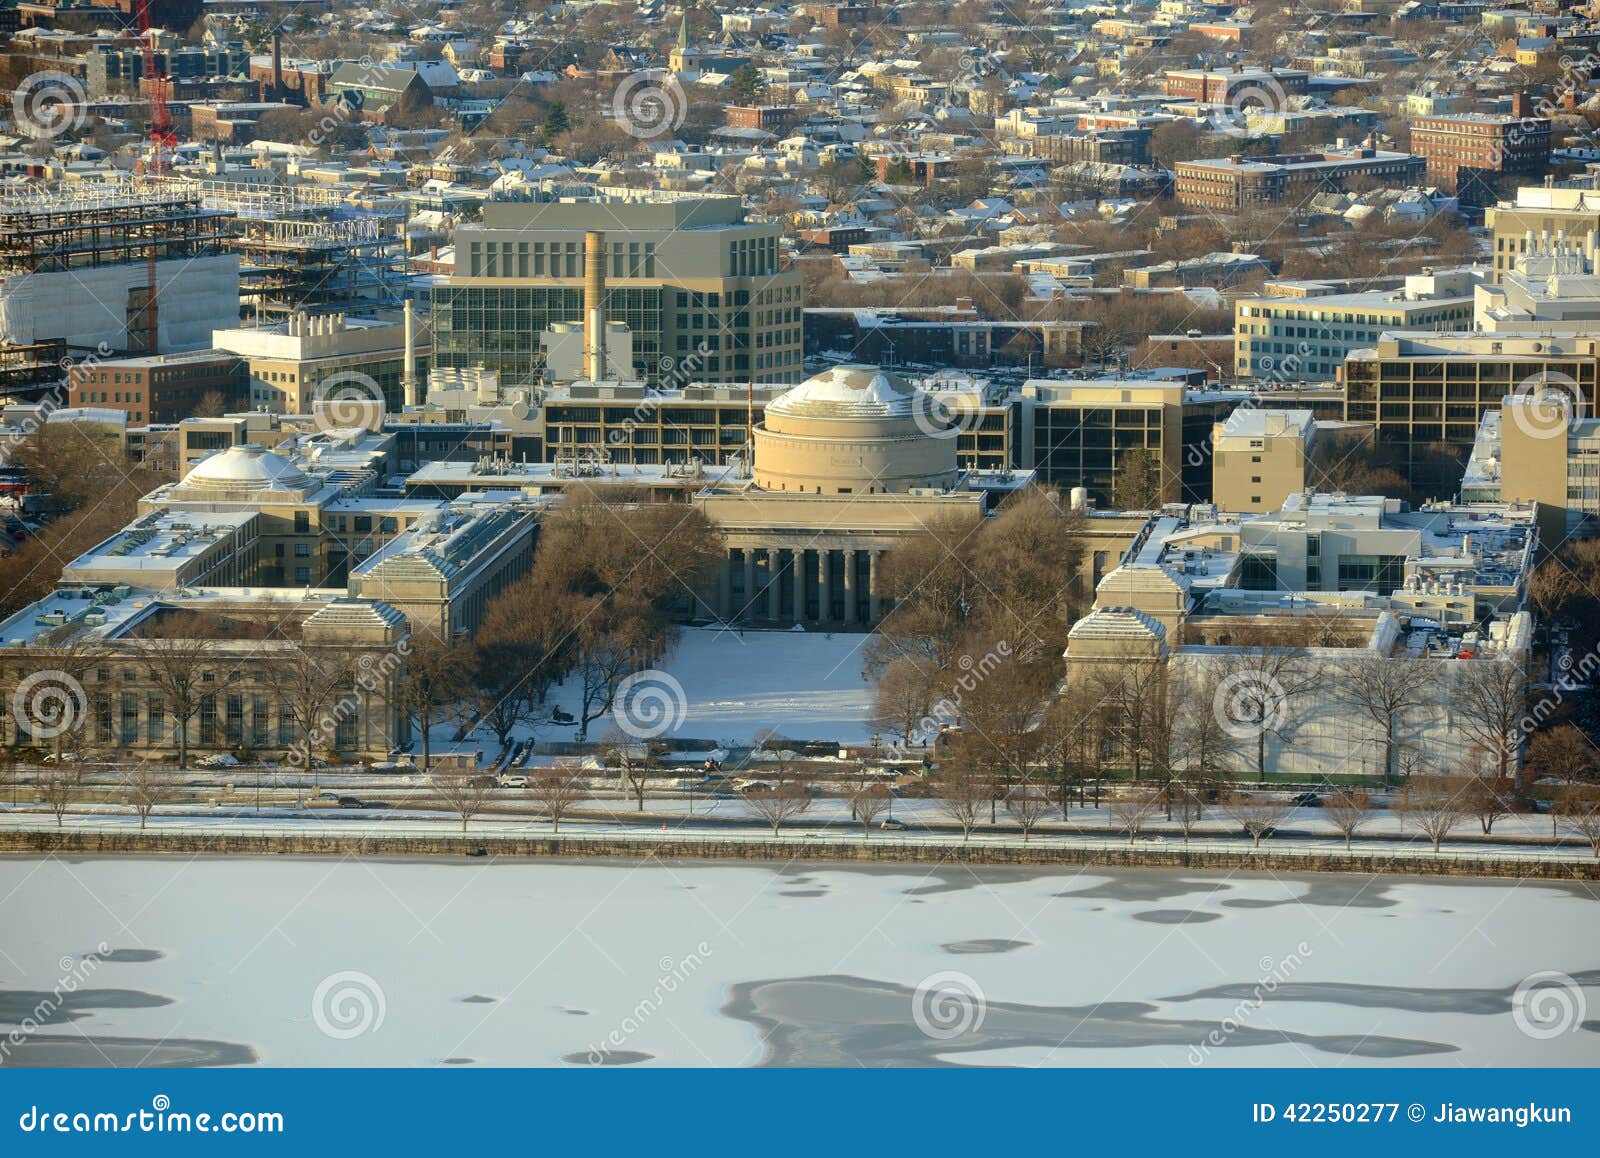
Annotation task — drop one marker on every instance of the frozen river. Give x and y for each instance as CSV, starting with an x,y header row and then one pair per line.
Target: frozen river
x,y
286,961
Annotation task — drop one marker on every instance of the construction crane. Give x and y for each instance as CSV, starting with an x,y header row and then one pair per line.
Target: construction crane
x,y
162,140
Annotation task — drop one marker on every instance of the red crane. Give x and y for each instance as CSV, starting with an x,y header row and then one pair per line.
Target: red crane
x,y
162,140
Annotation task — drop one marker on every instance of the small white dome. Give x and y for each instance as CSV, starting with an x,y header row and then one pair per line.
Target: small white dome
x,y
848,392
250,468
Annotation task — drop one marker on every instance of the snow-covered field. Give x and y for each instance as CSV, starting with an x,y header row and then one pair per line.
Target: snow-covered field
x,y
806,684
371,962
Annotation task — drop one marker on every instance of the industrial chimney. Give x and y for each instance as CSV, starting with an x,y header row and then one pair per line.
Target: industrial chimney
x,y
594,306
277,68
412,388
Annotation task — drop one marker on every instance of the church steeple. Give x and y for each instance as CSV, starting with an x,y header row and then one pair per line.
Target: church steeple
x,y
683,31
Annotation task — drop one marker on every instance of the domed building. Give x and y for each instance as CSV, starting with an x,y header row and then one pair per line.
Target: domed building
x,y
846,465
854,430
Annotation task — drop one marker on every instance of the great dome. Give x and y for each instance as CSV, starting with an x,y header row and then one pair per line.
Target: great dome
x,y
854,430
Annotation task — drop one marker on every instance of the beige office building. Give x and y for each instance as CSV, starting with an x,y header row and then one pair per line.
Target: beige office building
x,y
1516,225
1259,458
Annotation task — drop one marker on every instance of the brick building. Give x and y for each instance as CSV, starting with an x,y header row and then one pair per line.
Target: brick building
x,y
1222,87
165,388
1468,153
1233,183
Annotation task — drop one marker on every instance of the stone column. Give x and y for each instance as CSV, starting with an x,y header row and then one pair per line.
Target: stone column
x,y
802,579
749,609
774,583
825,593
725,586
873,563
850,613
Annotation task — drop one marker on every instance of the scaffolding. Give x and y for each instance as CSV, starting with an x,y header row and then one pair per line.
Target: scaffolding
x,y
45,230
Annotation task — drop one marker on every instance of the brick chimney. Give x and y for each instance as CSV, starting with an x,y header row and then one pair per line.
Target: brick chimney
x,y
1521,105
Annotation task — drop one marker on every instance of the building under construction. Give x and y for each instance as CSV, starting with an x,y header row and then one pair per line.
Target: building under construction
x,y
78,266
304,250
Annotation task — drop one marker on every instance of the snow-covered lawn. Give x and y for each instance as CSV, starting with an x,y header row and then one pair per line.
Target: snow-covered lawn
x,y
805,684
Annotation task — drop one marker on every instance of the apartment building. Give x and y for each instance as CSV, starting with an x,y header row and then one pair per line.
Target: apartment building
x,y
163,388
1221,86
690,277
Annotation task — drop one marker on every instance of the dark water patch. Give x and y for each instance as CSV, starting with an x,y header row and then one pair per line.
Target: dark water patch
x,y
1176,917
842,1020
48,1007
804,893
48,1051
576,1012
458,1061
479,999
1335,891
607,1057
1592,1026
127,956
1412,999
1146,886
984,945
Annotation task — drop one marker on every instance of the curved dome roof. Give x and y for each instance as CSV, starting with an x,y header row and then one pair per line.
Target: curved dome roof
x,y
251,468
848,392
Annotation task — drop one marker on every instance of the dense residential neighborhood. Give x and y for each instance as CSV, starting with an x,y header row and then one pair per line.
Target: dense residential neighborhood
x,y
1157,434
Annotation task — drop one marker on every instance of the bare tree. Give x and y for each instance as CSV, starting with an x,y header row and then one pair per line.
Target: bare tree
x,y
176,665
437,676
57,786
558,790
777,803
1384,689
464,793
963,791
309,683
144,788
1131,810
869,802
634,763
1257,689
1027,803
903,697
1579,809
1433,805
1485,795
1257,813
1491,697
1185,805
1347,810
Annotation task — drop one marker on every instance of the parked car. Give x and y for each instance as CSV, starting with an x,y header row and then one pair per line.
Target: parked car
x,y
351,802
508,780
892,824
1306,800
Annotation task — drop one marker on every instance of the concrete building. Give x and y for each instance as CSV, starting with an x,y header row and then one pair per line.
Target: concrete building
x,y
1305,336
1540,211
1317,591
307,356
701,290
1426,392
1259,457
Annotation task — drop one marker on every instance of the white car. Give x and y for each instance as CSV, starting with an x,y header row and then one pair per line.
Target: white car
x,y
513,781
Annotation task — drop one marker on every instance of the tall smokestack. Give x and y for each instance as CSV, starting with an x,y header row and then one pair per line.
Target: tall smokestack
x,y
594,305
413,391
277,67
